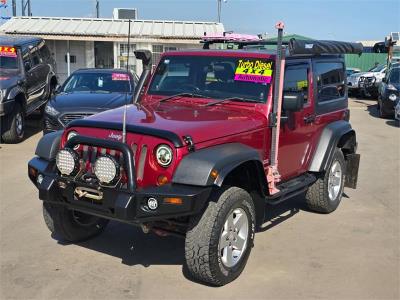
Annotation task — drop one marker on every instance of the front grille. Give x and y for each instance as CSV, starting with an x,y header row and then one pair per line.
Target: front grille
x,y
65,119
89,154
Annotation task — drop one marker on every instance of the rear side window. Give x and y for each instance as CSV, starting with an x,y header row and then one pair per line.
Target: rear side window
x,y
45,52
330,81
35,58
296,80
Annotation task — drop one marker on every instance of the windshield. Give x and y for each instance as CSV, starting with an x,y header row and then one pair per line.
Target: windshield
x,y
8,62
213,76
377,68
98,83
395,76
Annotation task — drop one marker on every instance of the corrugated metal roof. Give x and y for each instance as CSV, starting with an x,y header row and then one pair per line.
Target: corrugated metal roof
x,y
109,27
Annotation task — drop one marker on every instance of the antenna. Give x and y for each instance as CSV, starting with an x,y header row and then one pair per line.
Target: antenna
x,y
126,94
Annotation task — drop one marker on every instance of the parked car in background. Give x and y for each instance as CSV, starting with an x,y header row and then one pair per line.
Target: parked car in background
x,y
87,92
27,80
351,71
373,76
389,93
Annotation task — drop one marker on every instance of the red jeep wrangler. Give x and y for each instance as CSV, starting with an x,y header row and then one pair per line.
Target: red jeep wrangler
x,y
212,136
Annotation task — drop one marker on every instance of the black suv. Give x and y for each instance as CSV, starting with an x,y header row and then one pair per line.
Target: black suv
x,y
27,79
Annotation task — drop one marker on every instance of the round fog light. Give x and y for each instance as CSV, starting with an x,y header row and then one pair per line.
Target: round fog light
x,y
67,161
152,203
106,169
39,179
392,97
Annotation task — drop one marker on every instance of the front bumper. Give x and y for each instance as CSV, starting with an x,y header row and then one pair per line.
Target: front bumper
x,y
117,204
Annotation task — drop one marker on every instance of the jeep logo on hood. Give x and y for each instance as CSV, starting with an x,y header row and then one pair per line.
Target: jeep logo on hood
x,y
114,136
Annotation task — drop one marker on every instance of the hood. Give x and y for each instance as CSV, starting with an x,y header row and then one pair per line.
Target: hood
x,y
9,78
65,102
201,123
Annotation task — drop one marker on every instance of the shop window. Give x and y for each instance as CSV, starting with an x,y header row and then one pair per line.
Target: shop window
x,y
72,59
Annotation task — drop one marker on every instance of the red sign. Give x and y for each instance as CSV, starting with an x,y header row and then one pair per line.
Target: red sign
x,y
8,51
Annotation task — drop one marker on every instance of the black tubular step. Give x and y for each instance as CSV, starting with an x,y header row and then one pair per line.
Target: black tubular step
x,y
291,188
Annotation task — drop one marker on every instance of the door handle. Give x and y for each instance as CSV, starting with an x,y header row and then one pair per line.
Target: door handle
x,y
309,119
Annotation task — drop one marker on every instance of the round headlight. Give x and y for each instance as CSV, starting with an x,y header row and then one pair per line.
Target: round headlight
x,y
392,97
107,169
164,155
70,135
67,162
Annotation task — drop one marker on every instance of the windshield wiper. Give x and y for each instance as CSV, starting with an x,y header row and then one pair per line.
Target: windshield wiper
x,y
241,99
183,95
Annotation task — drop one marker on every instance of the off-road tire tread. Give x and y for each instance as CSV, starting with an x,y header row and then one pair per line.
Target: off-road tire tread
x,y
317,198
201,235
59,223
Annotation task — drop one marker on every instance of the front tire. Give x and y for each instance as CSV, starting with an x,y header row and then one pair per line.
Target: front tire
x,y
72,226
14,125
218,243
326,193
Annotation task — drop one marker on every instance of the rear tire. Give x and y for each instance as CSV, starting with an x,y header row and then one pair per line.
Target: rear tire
x,y
218,243
326,193
14,125
72,226
381,110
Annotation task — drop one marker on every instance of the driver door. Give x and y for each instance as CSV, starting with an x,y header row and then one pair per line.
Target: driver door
x,y
296,132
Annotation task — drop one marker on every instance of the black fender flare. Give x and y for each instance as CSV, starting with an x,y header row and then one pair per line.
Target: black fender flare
x,y
331,137
49,145
196,167
15,92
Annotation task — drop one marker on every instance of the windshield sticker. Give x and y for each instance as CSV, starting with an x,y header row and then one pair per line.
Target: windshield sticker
x,y
120,76
254,70
8,51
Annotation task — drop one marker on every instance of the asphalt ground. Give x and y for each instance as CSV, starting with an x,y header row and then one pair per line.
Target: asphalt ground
x,y
352,253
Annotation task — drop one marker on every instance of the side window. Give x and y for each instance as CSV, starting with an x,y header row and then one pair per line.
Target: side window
x,y
330,81
296,80
45,52
35,57
26,58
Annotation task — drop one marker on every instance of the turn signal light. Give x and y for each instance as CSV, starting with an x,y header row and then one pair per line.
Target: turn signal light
x,y
214,174
174,201
162,179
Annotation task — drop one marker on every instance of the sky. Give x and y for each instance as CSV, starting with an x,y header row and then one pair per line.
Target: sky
x,y
347,20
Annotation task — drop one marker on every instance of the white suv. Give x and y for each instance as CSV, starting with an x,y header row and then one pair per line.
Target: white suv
x,y
378,72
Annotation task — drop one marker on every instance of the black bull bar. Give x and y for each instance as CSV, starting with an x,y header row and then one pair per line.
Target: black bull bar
x,y
123,148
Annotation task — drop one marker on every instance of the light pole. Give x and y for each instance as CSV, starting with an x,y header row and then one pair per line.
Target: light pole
x,y
97,9
219,2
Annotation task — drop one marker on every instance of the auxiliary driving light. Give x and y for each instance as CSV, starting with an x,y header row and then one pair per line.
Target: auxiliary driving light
x,y
67,162
107,169
164,155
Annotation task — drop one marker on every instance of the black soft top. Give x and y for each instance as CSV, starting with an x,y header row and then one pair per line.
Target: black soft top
x,y
18,41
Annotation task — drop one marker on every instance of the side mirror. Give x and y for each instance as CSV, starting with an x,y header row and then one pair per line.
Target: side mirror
x,y
27,66
293,101
57,89
384,79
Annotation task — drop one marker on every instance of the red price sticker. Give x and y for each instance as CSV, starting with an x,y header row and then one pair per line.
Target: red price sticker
x,y
120,76
8,51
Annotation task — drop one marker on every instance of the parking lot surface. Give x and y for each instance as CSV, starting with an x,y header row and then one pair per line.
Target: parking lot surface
x,y
352,253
